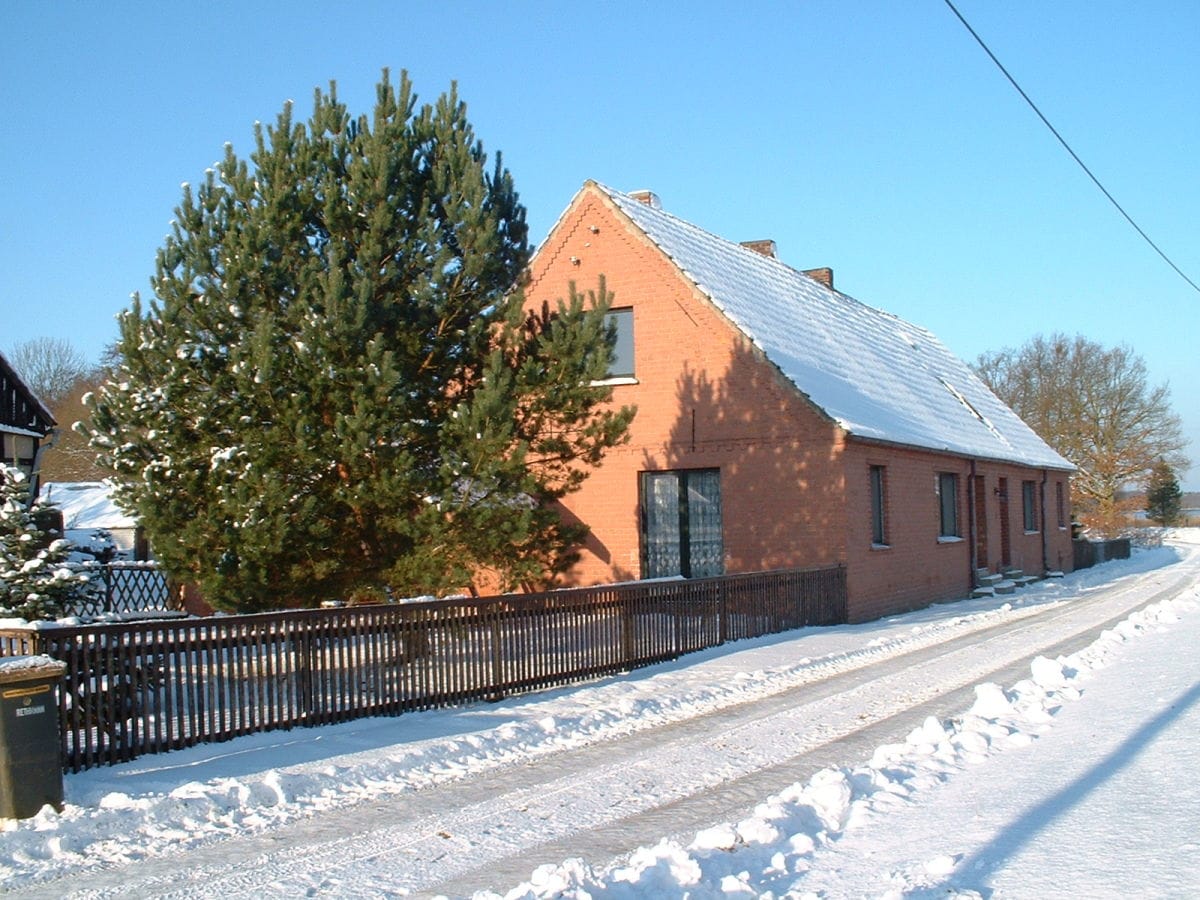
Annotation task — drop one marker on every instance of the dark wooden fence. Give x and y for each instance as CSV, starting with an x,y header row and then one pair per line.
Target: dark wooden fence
x,y
151,686
1091,553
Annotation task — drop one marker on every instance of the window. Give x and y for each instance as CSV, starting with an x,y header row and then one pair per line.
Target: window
x,y
878,532
1060,504
622,364
1029,504
18,450
947,491
681,523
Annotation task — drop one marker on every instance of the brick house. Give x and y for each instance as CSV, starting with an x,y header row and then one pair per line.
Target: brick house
x,y
25,422
783,424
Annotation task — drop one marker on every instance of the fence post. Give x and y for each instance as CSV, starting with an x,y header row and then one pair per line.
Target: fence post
x,y
722,612
625,598
495,694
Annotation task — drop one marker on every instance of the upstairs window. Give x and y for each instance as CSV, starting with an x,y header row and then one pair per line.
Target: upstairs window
x,y
1029,504
878,518
947,492
622,364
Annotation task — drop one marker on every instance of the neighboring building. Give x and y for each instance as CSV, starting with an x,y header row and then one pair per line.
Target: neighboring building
x,y
87,508
783,424
25,422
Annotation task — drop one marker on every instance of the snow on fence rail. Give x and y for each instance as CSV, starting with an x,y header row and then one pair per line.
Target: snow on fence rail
x,y
151,686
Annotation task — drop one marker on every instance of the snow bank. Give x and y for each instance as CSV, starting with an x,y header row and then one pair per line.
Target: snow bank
x,y
763,853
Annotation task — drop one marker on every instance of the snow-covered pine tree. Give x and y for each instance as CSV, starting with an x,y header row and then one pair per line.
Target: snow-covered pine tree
x,y
1164,497
335,389
36,579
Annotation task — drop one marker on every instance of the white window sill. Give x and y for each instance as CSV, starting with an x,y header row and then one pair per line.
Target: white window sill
x,y
612,382
881,546
949,539
1035,531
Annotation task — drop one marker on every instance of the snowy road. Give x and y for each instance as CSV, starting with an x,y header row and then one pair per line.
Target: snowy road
x,y
598,771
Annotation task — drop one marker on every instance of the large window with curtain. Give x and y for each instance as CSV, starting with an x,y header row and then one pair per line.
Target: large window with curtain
x,y
681,523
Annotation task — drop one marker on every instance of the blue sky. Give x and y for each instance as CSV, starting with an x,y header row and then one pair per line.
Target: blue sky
x,y
872,137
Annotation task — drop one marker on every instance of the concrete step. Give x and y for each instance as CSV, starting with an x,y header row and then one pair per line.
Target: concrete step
x,y
1006,587
983,591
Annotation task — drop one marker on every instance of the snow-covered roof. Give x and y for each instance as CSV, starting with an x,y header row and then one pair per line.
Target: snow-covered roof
x,y
878,376
85,504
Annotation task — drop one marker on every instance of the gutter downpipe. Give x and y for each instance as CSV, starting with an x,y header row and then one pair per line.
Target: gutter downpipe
x,y
973,556
1045,527
49,440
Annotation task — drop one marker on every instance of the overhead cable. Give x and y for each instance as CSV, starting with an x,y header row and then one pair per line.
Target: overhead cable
x,y
1067,147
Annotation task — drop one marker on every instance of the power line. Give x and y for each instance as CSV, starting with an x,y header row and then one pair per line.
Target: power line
x,y
1067,147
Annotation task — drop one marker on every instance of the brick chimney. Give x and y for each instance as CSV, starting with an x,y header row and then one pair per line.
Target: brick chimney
x,y
766,248
825,276
648,197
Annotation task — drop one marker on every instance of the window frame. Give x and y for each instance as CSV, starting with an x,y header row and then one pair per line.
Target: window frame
x,y
877,488
687,522
622,319
1029,510
1060,502
948,518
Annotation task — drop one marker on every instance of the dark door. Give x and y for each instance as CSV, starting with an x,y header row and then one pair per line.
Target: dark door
x,y
1005,538
981,541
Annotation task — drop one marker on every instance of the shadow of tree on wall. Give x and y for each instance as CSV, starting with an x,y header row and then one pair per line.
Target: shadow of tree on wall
x,y
781,482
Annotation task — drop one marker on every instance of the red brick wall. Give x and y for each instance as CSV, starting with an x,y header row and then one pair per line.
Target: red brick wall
x,y
918,566
706,399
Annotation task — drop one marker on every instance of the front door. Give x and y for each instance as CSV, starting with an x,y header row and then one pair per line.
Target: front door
x,y
981,541
681,523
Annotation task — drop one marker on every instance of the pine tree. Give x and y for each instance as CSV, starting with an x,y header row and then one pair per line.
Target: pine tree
x,y
1164,498
36,579
335,390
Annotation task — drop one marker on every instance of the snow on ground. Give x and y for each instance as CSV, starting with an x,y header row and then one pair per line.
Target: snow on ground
x,y
1027,794
843,833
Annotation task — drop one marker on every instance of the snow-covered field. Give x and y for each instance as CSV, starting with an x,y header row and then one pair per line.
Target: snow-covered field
x,y
872,760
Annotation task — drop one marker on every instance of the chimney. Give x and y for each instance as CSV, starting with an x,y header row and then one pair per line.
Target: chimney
x,y
648,197
765,248
825,276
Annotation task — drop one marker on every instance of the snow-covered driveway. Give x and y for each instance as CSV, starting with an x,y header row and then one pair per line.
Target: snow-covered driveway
x,y
458,801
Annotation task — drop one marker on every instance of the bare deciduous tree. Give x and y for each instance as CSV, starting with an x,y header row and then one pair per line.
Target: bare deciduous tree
x,y
1095,406
50,366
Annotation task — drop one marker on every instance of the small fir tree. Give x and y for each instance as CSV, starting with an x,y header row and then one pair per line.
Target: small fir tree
x,y
37,581
1164,498
335,391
